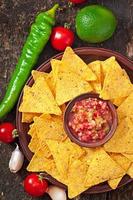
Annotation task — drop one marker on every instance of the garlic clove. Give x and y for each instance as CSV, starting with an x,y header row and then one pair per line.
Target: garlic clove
x,y
56,193
16,160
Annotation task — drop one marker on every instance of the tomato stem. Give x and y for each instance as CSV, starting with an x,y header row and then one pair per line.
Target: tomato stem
x,y
15,133
67,25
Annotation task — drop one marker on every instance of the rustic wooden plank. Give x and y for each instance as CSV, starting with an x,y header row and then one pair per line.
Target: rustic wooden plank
x,y
16,17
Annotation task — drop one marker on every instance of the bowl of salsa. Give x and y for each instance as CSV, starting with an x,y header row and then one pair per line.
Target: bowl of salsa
x,y
90,121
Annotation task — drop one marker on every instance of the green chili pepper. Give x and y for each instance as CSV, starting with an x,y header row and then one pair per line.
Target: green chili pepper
x,y
38,37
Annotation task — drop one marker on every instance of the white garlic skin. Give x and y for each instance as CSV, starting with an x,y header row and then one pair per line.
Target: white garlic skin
x,y
56,193
16,160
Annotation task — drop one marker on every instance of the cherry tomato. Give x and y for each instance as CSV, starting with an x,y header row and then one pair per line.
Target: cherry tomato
x,y
35,185
77,1
61,38
7,132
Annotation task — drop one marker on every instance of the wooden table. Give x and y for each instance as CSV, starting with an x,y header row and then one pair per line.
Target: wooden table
x,y
16,17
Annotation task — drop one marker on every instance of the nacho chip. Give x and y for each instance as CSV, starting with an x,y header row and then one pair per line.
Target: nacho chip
x,y
122,140
75,150
50,127
114,78
37,74
118,101
75,64
48,78
106,64
126,108
34,143
114,183
102,168
64,153
121,160
129,156
70,85
88,155
56,66
28,117
130,171
38,100
39,162
32,130
60,155
76,176
95,66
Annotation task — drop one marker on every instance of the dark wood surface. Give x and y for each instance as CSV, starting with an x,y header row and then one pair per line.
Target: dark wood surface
x,y
16,17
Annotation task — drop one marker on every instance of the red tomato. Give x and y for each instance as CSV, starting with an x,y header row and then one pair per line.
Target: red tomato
x,y
35,185
6,132
61,38
77,1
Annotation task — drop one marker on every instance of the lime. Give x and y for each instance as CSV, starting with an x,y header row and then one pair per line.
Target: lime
x,y
95,23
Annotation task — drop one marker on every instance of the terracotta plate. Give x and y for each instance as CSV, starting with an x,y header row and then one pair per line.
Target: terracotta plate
x,y
88,55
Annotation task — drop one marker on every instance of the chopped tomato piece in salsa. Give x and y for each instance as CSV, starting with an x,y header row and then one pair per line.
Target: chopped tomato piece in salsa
x,y
90,119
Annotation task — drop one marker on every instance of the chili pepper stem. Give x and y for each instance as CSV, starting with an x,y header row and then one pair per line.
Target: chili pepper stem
x,y
52,11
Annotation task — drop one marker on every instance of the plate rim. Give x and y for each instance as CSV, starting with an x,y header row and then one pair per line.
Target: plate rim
x,y
95,189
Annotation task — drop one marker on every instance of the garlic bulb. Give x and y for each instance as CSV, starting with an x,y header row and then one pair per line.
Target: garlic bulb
x,y
56,193
16,160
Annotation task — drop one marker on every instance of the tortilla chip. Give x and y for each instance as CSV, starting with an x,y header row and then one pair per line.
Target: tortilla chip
x,y
75,64
106,64
32,129
122,140
50,127
28,117
63,153
56,65
118,101
121,160
47,76
130,171
39,163
76,176
34,143
126,108
88,155
70,85
38,100
60,155
114,183
129,156
75,150
37,74
95,66
102,168
114,78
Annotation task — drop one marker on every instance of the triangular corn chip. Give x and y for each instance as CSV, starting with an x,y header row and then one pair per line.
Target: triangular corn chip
x,y
39,99
122,140
130,171
114,182
126,108
118,101
28,117
62,162
76,176
75,64
129,156
70,85
102,168
48,78
121,160
95,66
50,127
115,77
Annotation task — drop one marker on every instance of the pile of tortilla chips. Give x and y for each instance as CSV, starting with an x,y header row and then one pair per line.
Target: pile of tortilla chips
x,y
43,104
